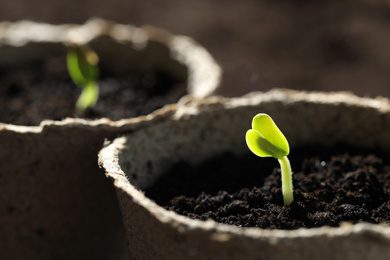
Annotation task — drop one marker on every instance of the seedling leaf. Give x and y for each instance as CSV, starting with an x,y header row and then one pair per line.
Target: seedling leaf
x,y
82,65
261,146
265,139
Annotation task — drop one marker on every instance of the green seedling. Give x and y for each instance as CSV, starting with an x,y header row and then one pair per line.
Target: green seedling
x,y
82,64
266,140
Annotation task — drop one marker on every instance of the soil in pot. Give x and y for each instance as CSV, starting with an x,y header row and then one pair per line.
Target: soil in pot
x,y
329,188
45,91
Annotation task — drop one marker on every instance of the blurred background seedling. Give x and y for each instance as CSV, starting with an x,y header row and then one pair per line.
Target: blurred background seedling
x,y
82,63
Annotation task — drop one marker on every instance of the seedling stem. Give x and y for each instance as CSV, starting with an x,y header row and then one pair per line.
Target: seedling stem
x,y
287,187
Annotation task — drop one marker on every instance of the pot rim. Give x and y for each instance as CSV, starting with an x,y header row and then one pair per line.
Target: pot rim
x,y
108,159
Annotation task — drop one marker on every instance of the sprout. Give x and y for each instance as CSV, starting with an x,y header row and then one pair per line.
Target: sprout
x,y
266,140
82,67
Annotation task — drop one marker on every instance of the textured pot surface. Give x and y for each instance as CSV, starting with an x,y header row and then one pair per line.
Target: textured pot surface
x,y
55,202
202,129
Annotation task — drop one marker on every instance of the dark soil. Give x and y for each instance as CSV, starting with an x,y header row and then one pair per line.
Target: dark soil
x,y
45,91
246,191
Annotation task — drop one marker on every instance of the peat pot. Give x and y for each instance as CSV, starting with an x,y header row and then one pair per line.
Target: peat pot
x,y
196,131
55,203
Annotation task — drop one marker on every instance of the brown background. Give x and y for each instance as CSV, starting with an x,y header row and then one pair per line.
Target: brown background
x,y
263,44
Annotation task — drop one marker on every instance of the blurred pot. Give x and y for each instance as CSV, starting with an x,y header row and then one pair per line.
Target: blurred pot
x,y
55,202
